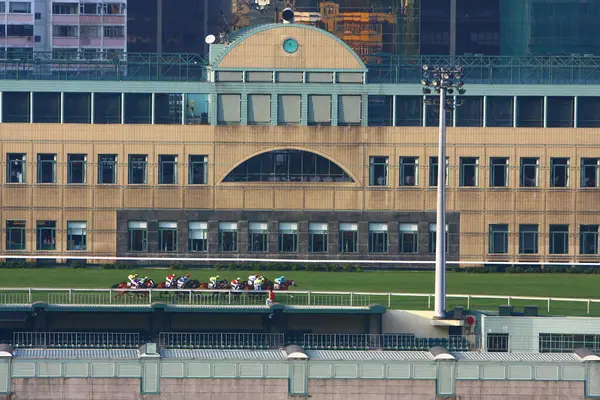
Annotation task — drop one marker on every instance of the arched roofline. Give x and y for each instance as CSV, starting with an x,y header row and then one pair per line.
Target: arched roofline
x,y
258,153
263,28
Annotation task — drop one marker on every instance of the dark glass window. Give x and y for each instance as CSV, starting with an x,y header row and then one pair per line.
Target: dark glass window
x,y
471,112
590,172
499,111
258,237
198,236
77,168
137,235
378,171
16,235
409,111
228,237
588,239
408,239
378,238
15,167
409,171
288,237
46,168
198,170
287,166
348,238
530,172
167,236
498,239
559,239
498,171
167,169
530,111
380,110
138,169
528,239
76,235
317,237
559,172
46,235
433,171
559,112
469,171
107,168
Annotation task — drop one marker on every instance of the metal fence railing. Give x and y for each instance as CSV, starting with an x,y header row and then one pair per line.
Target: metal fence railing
x,y
184,340
187,297
386,341
70,340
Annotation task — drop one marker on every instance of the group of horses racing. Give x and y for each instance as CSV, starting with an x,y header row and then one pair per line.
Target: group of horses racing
x,y
237,287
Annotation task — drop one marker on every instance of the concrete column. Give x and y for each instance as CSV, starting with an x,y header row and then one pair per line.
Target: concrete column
x,y
484,111
150,375
446,378
5,373
1,113
394,110
183,109
298,383
545,112
62,107
31,107
575,111
122,108
454,111
153,106
515,111
92,97
452,27
425,106
592,379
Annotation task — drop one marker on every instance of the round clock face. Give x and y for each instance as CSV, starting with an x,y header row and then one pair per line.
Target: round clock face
x,y
290,45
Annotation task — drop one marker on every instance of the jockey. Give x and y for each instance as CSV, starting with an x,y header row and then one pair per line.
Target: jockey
x,y
143,281
235,284
212,282
279,281
251,279
182,281
170,280
258,283
133,280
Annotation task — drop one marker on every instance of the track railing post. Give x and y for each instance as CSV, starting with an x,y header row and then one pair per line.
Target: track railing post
x,y
308,299
548,304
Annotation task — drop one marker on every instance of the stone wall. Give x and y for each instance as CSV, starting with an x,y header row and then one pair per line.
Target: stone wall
x,y
519,390
75,389
371,389
223,389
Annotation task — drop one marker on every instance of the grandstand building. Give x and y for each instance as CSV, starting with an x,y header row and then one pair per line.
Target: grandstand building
x,y
285,144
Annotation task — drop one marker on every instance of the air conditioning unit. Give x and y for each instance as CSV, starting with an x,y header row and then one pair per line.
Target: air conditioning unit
x,y
29,38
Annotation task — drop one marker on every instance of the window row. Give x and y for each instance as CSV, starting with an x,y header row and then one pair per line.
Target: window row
x,y
45,235
558,239
75,31
88,8
499,171
287,242
77,169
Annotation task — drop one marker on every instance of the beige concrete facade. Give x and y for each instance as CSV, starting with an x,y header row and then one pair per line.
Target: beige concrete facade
x,y
349,147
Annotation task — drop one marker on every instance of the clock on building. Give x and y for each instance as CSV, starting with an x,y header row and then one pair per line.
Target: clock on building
x,y
290,45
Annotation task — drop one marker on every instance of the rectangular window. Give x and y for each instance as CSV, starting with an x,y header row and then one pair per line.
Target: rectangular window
x,y
319,110
288,237
469,171
409,171
289,109
88,8
64,8
259,109
76,235
528,239
198,236
15,167
498,239
65,31
19,31
2,8
167,169
530,172
46,235
498,171
114,31
433,171
19,7
348,238
76,168
559,172
198,170
258,237
378,171
16,235
588,239
46,168
317,237
228,236
590,172
433,238
559,239
107,169
167,236
408,238
229,109
138,164
138,235
90,32
378,238
497,342
567,343
349,110
113,8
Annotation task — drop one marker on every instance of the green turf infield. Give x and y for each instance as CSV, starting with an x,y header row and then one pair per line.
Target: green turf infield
x,y
532,284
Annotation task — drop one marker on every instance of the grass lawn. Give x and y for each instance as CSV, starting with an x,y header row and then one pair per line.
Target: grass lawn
x,y
542,285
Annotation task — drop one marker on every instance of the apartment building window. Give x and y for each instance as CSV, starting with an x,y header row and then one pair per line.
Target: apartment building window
x,y
530,172
76,235
348,238
317,237
378,171
46,235
107,169
167,236
228,236
87,32
167,169
65,31
15,167
64,8
378,238
567,343
559,172
16,235
559,239
37,16
497,342
198,236
19,31
288,237
114,31
46,168
408,238
76,168
19,7
198,170
409,171
2,7
469,171
588,239
138,169
498,171
528,239
590,172
138,235
258,237
113,9
498,239
433,238
89,8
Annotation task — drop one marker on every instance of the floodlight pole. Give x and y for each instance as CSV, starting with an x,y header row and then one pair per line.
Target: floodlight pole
x,y
440,234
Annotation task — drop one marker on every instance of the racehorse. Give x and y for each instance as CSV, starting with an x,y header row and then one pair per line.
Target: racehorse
x,y
286,285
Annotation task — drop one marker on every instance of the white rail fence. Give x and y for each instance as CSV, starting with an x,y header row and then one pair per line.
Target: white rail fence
x,y
194,297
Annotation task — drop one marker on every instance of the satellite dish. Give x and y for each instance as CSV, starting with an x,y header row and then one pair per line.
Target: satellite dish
x,y
210,39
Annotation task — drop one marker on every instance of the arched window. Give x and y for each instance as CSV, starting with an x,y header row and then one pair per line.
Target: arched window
x,y
288,166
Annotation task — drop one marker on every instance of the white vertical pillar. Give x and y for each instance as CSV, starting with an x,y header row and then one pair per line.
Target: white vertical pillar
x,y
92,97
183,109
545,112
515,113
31,107
440,234
1,112
152,105
484,111
62,107
454,111
425,106
575,112
122,108
394,110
